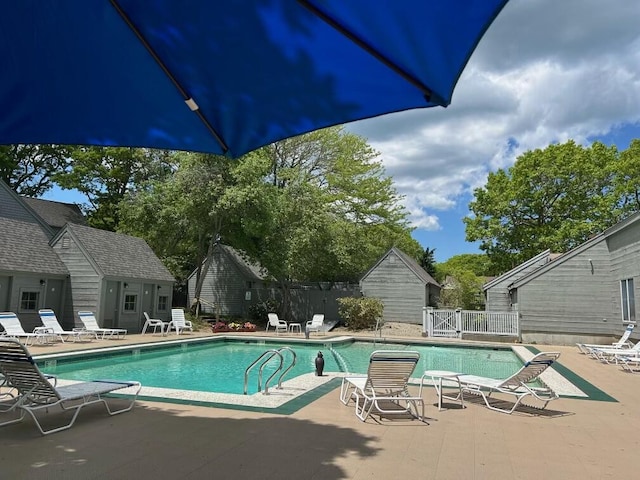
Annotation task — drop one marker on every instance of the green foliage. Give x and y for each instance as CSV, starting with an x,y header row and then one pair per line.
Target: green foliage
x,y
29,169
477,263
359,313
258,311
462,289
428,261
105,175
554,198
327,210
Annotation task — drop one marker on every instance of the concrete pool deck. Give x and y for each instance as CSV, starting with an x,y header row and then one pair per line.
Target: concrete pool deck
x,y
576,438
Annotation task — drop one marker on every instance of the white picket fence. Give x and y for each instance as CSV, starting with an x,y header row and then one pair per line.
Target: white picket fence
x,y
453,323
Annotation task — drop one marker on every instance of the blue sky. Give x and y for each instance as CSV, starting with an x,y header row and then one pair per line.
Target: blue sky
x,y
545,72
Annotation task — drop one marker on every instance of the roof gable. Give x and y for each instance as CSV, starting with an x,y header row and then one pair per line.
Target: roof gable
x,y
410,263
25,248
627,222
56,214
12,206
543,256
118,255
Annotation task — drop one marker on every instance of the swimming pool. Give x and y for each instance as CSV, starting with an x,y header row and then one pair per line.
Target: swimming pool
x,y
219,366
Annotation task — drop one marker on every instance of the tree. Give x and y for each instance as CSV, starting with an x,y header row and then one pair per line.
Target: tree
x,y
476,263
554,198
462,290
428,261
184,217
626,178
329,210
29,169
106,174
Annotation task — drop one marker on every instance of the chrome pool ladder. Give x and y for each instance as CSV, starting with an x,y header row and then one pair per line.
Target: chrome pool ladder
x,y
265,358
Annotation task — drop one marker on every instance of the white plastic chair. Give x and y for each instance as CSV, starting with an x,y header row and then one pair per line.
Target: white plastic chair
x,y
275,322
154,323
316,324
178,322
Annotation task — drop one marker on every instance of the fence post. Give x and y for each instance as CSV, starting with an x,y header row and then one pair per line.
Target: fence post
x,y
427,321
459,322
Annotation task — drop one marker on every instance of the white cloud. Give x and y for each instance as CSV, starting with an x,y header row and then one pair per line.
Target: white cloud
x,y
545,72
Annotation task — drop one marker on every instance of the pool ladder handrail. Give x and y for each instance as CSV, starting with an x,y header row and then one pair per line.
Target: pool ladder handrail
x,y
269,354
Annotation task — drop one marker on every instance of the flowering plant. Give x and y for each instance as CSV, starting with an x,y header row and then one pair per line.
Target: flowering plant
x,y
235,326
249,326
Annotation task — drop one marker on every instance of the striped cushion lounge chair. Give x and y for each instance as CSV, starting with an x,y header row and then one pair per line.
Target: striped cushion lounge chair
x,y
384,391
90,323
517,385
36,393
13,328
49,320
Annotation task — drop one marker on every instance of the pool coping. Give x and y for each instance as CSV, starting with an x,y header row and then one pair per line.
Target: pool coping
x,y
304,389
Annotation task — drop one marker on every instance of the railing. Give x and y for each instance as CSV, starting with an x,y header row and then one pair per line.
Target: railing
x,y
266,357
453,323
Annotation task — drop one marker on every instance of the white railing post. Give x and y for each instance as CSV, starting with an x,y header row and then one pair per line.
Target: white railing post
x,y
427,321
459,322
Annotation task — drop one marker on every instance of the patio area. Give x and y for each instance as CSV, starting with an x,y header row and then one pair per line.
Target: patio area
x,y
324,440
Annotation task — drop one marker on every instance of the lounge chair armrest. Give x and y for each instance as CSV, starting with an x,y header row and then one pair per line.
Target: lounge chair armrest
x,y
43,330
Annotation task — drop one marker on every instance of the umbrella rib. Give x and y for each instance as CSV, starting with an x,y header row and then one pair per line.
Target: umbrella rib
x,y
187,98
427,92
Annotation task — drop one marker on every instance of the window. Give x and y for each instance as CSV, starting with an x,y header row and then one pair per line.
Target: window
x,y
628,300
163,302
29,301
130,303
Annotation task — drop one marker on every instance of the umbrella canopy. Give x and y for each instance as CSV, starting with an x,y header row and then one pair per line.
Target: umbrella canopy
x,y
224,76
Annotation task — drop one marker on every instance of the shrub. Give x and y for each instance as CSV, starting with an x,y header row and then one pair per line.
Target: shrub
x,y
359,313
258,311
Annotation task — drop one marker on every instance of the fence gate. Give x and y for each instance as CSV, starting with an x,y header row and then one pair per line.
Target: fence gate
x,y
444,323
453,323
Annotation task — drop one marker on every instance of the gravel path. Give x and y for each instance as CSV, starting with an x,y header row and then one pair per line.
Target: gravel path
x,y
391,329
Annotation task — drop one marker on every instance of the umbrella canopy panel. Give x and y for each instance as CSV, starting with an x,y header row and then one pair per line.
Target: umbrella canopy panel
x,y
118,72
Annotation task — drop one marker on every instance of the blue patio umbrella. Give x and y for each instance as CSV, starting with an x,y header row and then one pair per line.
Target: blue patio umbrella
x,y
224,76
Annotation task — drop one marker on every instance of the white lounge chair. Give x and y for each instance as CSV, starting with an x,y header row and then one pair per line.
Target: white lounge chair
x,y
623,342
517,385
154,323
36,393
49,320
13,328
384,391
613,355
316,324
275,322
178,322
90,323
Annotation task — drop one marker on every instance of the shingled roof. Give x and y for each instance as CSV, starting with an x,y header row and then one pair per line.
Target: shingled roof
x,y
119,255
27,249
56,214
411,264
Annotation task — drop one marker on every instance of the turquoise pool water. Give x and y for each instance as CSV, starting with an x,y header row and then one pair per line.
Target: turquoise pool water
x,y
220,366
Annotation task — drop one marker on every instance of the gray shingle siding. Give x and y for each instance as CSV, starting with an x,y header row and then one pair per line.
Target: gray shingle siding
x,y
402,285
